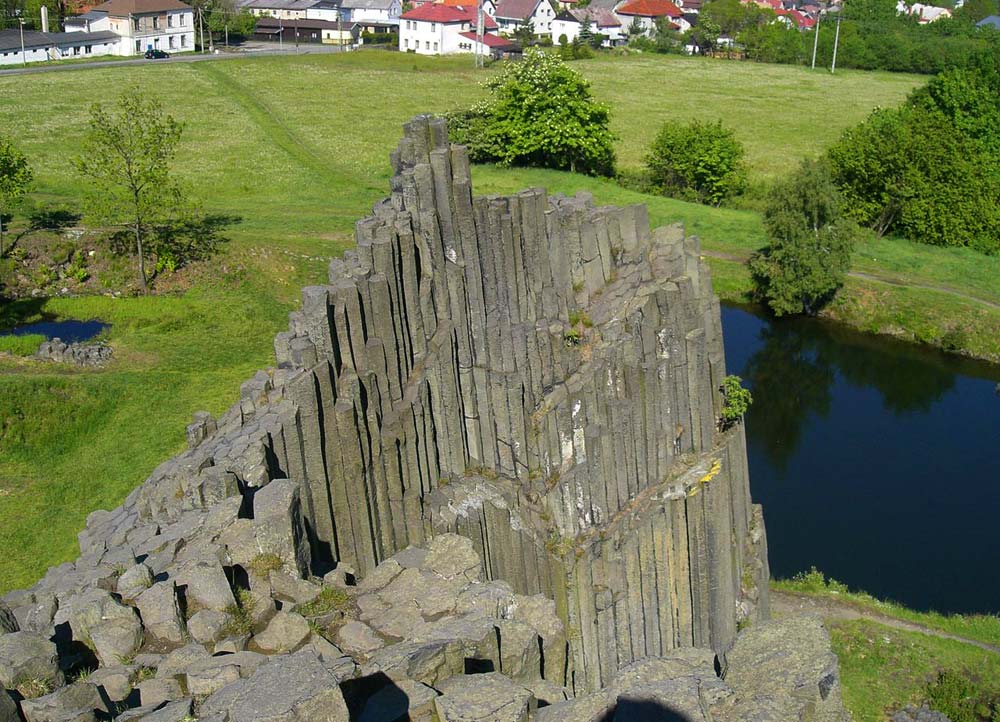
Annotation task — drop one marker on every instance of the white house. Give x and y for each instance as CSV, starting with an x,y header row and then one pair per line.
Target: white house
x,y
143,25
372,11
282,9
36,47
39,47
89,22
512,14
603,22
328,10
433,29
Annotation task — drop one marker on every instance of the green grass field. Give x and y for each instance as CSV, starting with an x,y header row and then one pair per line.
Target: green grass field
x,y
298,148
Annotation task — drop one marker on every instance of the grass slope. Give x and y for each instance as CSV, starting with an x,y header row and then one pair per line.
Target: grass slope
x,y
298,147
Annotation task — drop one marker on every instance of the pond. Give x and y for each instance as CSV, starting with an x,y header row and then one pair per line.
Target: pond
x,y
877,461
70,331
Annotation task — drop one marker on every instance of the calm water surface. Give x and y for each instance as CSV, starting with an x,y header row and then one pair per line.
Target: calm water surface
x,y
70,331
877,462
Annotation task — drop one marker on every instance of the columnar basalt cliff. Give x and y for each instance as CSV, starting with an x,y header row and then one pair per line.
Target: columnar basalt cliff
x,y
527,386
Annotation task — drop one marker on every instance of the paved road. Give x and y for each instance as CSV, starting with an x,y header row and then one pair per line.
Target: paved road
x,y
248,50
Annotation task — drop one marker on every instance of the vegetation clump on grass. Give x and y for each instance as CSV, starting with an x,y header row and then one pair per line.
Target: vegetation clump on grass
x,y
25,345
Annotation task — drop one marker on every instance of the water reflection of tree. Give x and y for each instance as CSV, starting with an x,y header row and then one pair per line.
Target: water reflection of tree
x,y
790,381
793,371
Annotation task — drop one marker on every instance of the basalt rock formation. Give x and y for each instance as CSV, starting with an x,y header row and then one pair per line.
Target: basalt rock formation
x,y
485,476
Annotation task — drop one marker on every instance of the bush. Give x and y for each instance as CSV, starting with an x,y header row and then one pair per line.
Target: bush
x,y
927,170
380,38
810,243
963,699
697,161
736,401
539,113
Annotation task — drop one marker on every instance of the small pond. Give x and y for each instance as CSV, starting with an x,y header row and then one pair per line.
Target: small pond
x,y
878,462
70,331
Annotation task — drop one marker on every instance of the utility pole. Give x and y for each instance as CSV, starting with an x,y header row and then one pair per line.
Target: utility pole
x,y
24,58
201,28
480,23
815,40
836,39
296,35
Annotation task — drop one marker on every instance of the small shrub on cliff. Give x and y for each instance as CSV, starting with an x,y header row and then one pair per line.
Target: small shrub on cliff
x,y
736,401
539,113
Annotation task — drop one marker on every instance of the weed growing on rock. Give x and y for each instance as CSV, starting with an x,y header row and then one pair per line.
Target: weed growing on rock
x,y
265,563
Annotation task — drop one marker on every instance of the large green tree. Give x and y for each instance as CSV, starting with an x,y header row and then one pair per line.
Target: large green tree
x,y
539,112
929,170
15,180
809,243
126,158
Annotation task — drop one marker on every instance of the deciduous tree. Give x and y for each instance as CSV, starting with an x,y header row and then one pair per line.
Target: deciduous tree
x,y
15,180
539,112
126,159
810,243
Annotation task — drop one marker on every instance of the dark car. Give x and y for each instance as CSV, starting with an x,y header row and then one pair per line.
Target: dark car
x,y
156,54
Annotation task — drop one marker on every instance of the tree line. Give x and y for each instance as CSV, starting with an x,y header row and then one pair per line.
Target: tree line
x,y
873,36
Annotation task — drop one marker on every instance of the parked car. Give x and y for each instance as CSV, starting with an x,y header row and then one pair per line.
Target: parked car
x,y
156,54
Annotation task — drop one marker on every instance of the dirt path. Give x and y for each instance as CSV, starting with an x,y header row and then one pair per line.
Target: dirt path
x,y
860,275
784,603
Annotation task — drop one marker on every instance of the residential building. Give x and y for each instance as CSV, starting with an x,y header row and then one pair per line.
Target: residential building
x,y
326,10
373,11
433,29
644,15
306,30
39,47
89,22
993,21
924,13
603,22
143,25
512,14
36,47
491,46
282,9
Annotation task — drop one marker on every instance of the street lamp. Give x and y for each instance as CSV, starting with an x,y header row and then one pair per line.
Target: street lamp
x,y
24,58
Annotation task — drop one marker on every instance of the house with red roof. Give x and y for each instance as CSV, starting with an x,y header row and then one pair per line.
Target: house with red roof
x,y
795,19
512,14
644,14
437,29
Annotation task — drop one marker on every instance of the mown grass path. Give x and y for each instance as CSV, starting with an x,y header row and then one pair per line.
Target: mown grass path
x,y
874,278
844,610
